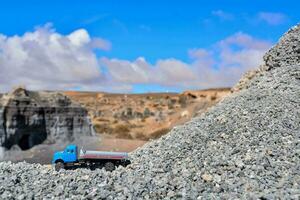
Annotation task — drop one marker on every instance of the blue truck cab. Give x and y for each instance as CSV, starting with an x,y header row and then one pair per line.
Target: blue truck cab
x,y
69,155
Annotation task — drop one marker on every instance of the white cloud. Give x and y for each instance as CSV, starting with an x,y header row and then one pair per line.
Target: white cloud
x,y
168,72
45,59
272,18
219,66
173,72
125,71
99,43
229,60
243,51
79,37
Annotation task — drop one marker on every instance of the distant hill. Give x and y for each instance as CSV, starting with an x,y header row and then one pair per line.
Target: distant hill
x,y
145,116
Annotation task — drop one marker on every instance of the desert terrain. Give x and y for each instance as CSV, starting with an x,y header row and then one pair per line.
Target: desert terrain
x,y
144,116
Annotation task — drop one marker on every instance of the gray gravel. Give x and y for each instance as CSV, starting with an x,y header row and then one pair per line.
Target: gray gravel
x,y
246,147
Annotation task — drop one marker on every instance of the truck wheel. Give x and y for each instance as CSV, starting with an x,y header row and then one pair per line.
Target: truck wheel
x,y
59,166
109,166
93,167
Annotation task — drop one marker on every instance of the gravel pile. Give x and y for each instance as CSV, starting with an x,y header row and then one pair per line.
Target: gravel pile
x,y
248,147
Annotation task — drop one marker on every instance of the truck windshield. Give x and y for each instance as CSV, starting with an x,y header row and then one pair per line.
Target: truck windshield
x,y
69,150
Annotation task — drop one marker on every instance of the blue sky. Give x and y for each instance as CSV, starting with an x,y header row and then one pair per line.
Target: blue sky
x,y
155,31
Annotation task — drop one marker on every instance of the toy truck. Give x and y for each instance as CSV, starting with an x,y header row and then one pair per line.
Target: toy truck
x,y
71,157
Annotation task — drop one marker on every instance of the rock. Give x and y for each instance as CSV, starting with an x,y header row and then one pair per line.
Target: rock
x,y
207,177
184,113
28,118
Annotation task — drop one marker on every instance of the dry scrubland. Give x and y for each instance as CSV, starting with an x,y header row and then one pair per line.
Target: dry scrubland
x,y
145,116
246,147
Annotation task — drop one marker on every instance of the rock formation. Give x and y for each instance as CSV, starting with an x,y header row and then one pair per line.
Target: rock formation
x,y
28,118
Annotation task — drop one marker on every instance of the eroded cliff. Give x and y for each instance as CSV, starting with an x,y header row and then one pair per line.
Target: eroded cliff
x,y
28,118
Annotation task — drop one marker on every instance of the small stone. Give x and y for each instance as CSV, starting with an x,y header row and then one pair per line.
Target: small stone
x,y
86,177
207,177
217,178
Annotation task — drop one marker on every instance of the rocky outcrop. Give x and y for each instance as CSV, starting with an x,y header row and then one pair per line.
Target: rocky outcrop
x,y
2,130
29,118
